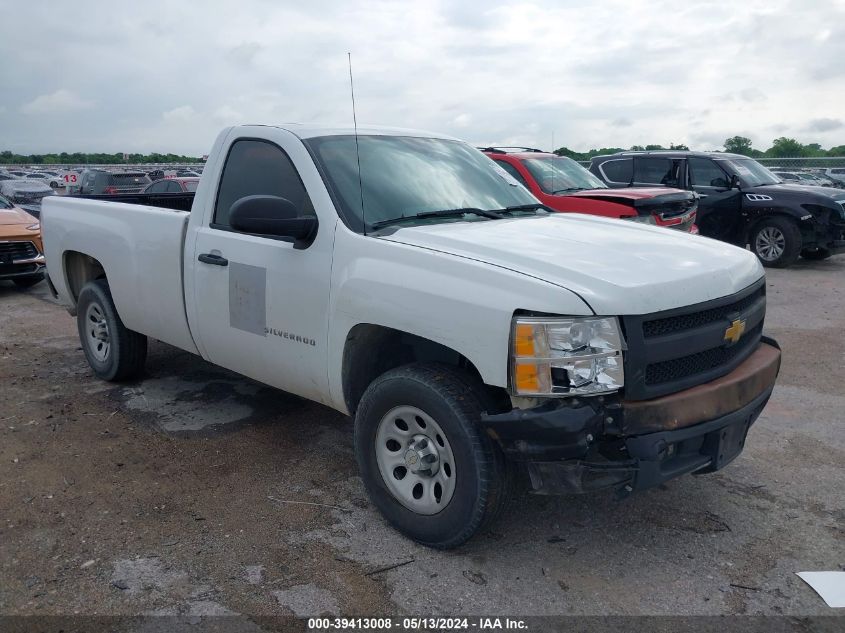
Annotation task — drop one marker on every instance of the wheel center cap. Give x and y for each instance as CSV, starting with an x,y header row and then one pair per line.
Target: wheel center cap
x,y
422,457
412,459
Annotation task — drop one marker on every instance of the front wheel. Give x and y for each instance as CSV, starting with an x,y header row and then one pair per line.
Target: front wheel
x,y
114,352
425,462
776,241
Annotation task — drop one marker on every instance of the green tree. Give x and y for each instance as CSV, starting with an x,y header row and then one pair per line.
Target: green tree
x,y
652,148
565,151
738,145
679,146
839,150
785,148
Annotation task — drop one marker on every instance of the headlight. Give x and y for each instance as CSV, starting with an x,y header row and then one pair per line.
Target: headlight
x,y
566,356
34,227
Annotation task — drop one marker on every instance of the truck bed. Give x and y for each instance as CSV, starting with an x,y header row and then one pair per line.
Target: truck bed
x,y
138,239
175,201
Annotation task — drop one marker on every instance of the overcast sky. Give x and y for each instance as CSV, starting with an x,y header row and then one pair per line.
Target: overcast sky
x,y
166,76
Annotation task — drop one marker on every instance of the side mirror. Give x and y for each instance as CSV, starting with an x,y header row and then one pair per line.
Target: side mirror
x,y
735,184
272,216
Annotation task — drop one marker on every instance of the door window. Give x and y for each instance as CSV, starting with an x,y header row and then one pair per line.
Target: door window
x,y
173,187
706,173
256,167
655,171
158,187
617,170
513,172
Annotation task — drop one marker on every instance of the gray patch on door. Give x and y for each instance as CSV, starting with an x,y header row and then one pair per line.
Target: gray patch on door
x,y
248,298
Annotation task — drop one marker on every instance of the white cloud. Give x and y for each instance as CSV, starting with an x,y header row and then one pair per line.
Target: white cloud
x,y
60,101
588,75
180,114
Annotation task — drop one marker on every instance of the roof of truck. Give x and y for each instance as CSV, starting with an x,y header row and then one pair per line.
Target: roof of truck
x,y
310,130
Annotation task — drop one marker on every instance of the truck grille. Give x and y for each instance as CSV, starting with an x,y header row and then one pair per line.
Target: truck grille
x,y
660,327
17,251
678,349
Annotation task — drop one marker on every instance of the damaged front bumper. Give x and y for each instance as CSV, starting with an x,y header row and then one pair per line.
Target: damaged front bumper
x,y
581,445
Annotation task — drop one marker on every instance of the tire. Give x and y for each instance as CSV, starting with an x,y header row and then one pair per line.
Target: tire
x,y
114,352
776,241
27,282
816,255
477,484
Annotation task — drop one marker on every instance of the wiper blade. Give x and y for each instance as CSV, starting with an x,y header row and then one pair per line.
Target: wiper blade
x,y
524,207
444,213
557,191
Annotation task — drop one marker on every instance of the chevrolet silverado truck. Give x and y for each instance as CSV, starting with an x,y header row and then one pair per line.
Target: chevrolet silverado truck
x,y
398,277
21,252
565,186
741,202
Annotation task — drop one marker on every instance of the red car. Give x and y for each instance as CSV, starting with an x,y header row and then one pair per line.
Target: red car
x,y
563,185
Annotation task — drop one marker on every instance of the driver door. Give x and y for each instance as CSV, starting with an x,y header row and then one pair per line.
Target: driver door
x,y
259,305
720,206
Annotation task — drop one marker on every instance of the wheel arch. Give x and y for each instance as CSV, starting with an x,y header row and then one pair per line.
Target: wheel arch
x,y
371,350
79,269
761,215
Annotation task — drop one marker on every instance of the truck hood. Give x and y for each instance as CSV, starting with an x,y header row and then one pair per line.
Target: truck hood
x,y
630,193
617,267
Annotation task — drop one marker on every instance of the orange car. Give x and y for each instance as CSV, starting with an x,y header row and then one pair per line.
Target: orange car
x,y
21,250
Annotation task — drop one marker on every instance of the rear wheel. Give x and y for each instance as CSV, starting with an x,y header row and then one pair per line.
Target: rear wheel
x,y
28,282
776,241
816,255
425,462
114,352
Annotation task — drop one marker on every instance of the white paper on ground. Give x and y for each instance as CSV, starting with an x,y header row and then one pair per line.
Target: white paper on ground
x,y
830,585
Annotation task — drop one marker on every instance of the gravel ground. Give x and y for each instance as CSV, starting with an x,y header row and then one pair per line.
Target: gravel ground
x,y
196,491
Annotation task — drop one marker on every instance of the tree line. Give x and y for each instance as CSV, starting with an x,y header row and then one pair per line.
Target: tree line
x,y
782,147
83,158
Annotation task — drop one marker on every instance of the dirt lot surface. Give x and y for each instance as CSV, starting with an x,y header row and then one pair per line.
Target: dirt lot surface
x,y
195,491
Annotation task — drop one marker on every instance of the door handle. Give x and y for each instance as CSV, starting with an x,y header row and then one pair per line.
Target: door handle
x,y
214,260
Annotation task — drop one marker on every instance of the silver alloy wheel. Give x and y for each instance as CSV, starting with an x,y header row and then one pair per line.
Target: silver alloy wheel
x,y
98,332
415,460
770,243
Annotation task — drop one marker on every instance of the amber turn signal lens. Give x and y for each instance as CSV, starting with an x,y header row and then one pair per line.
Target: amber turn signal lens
x,y
527,378
524,340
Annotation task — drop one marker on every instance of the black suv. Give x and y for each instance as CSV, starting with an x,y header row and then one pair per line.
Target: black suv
x,y
742,202
100,181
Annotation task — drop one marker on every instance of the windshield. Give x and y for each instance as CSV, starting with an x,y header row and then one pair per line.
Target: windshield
x,y
5,204
405,176
560,174
191,185
750,172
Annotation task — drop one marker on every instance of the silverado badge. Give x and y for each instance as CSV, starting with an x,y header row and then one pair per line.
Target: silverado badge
x,y
735,331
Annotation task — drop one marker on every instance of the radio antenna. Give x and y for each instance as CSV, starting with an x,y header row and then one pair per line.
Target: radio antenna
x,y
357,150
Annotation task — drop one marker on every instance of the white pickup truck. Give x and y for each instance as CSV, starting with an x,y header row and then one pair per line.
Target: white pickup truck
x,y
402,278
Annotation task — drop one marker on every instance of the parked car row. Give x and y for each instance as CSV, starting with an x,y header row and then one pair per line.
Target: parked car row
x,y
53,178
806,178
